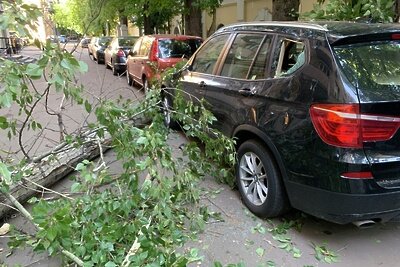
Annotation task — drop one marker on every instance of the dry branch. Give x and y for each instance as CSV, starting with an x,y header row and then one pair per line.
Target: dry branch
x,y
51,169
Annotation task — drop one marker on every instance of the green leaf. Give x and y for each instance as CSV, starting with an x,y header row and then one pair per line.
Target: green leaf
x,y
65,64
5,173
110,264
51,234
34,71
142,141
3,122
88,106
6,99
260,252
75,187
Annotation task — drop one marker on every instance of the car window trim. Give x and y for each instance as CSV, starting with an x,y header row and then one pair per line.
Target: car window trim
x,y
223,52
268,62
279,39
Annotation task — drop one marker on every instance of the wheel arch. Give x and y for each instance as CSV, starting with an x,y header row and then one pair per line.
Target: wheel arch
x,y
248,132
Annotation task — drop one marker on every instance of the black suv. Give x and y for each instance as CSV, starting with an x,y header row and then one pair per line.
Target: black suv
x,y
315,111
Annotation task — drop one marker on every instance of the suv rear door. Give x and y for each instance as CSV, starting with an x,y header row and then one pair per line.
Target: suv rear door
x,y
377,80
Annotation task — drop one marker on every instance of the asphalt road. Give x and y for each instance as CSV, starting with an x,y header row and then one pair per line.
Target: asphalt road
x,y
240,236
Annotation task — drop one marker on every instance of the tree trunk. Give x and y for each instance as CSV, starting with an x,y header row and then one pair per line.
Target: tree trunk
x,y
123,25
213,27
47,172
285,10
148,25
192,19
397,11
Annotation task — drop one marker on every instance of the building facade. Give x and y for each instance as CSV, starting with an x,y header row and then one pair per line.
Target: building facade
x,y
233,11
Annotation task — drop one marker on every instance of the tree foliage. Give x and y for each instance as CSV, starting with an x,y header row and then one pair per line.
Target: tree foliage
x,y
285,10
91,16
370,10
113,219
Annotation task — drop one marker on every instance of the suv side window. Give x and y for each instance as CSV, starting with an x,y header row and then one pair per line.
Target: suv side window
x,y
207,57
289,57
145,47
136,47
241,61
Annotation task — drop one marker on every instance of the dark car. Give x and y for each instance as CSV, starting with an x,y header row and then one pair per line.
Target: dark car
x,y
85,42
116,53
154,53
315,111
97,46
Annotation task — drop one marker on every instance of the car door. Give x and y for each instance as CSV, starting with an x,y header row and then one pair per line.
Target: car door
x,y
108,53
200,74
133,52
140,59
240,80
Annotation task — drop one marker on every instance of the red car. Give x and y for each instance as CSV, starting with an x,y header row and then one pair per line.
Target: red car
x,y
152,54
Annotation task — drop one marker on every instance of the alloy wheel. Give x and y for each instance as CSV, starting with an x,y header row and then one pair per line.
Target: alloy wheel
x,y
253,178
166,111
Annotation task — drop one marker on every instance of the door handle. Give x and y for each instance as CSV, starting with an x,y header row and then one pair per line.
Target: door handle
x,y
246,92
202,84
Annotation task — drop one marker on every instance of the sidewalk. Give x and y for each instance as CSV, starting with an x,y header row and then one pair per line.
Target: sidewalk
x,y
28,54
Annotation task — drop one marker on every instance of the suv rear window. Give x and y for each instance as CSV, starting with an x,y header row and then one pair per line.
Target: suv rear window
x,y
171,48
372,67
127,41
104,41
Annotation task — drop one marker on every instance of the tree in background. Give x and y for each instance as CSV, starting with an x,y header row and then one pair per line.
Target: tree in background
x,y
192,15
285,10
94,16
369,10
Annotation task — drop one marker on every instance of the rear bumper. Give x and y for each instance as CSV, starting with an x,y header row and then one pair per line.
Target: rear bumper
x,y
344,208
120,66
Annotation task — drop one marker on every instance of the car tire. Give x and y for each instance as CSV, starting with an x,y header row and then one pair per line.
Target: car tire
x,y
114,70
259,181
129,78
98,59
145,85
167,109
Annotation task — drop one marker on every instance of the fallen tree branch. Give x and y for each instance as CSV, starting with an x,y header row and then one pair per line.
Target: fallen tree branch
x,y
135,246
28,216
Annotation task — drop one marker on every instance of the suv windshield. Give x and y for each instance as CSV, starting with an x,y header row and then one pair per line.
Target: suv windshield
x,y
170,48
372,67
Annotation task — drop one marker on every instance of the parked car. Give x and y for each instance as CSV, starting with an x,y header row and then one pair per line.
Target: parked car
x,y
152,54
97,46
315,111
62,38
115,54
85,42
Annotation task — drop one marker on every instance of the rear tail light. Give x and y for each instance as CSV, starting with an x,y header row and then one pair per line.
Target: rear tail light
x,y
396,36
357,175
154,51
343,125
120,53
